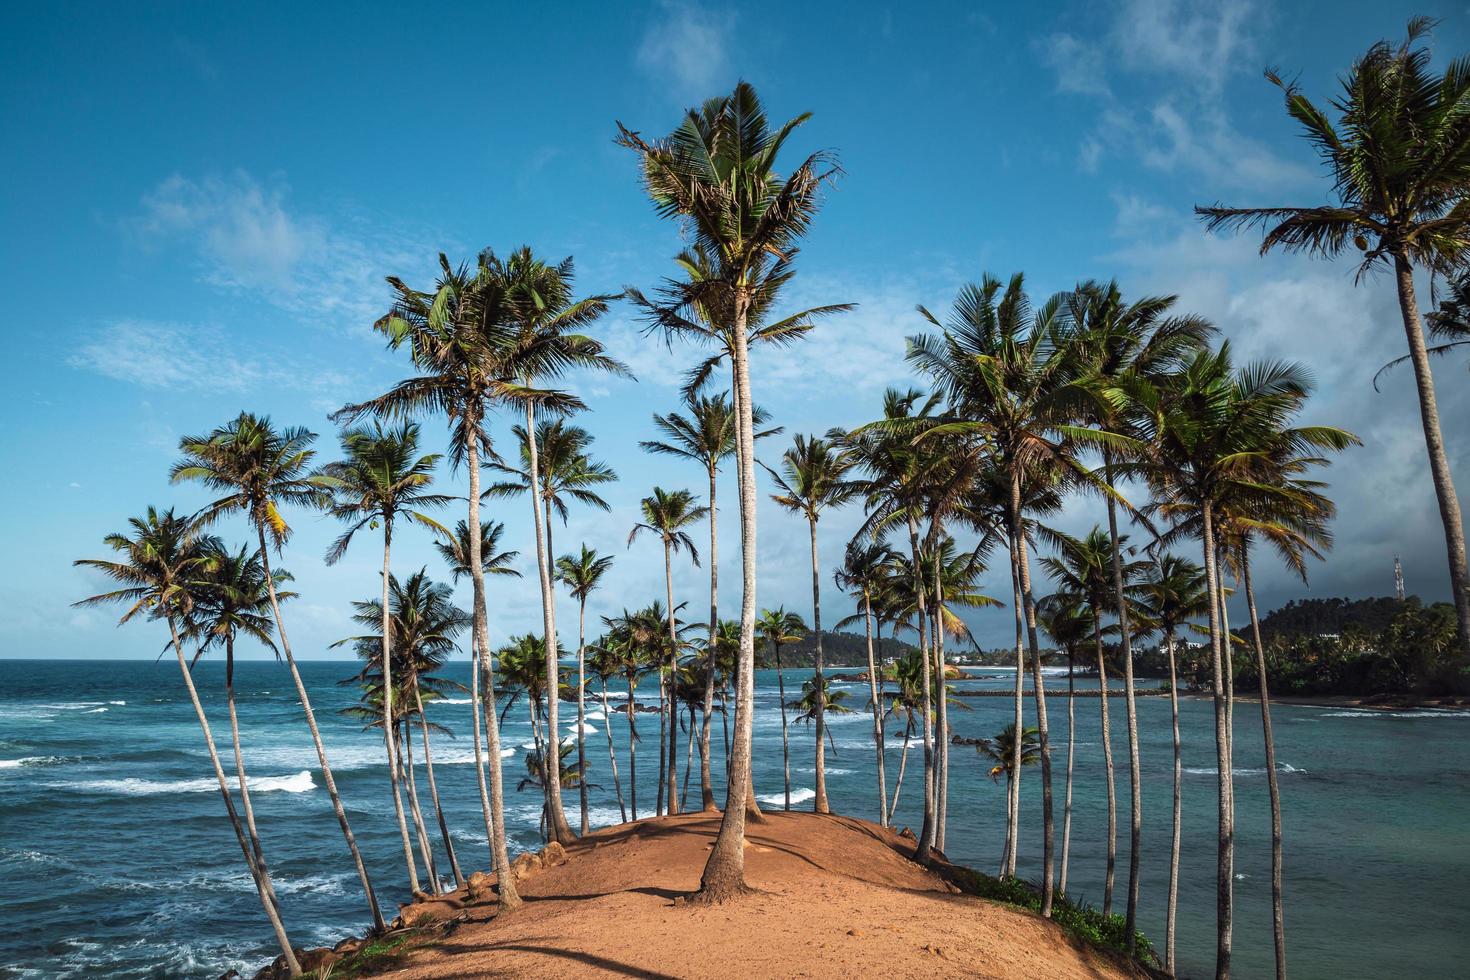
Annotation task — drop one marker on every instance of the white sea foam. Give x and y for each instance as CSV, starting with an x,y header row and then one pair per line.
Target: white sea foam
x,y
1284,768
30,760
450,701
94,711
299,783
797,796
1414,713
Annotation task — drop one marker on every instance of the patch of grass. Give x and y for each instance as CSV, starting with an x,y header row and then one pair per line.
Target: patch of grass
x,y
1078,918
381,954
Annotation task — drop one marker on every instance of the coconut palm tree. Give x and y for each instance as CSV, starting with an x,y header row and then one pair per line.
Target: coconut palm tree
x,y
707,435
1008,377
716,175
864,574
604,664
778,627
1068,620
1002,750
581,574
156,563
454,548
1207,432
666,514
261,470
627,647
817,697
522,664
907,699
382,478
813,477
573,777
1399,159
1113,337
1084,567
1170,594
230,600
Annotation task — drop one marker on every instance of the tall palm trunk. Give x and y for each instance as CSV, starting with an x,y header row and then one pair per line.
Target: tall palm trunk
x,y
1071,754
475,668
632,748
1439,465
556,817
612,753
1107,740
420,828
387,670
819,804
785,746
689,740
505,882
663,742
1018,704
877,704
903,761
724,873
1172,914
418,701
725,723
1225,845
257,868
582,710
1135,784
1278,921
316,736
941,704
1043,734
673,773
245,805
926,831
706,785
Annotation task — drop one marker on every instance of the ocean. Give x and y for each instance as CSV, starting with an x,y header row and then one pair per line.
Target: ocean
x,y
117,859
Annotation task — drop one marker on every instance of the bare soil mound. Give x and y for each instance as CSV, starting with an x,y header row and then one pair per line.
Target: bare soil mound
x,y
836,897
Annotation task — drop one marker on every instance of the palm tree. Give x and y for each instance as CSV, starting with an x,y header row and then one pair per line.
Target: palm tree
x,y
817,697
582,574
454,548
230,599
1113,338
1003,750
573,777
707,435
260,470
1202,435
604,664
777,627
1008,377
716,174
462,338
812,478
864,574
906,698
667,514
1068,620
158,562
1083,567
1171,593
523,666
1399,159
382,478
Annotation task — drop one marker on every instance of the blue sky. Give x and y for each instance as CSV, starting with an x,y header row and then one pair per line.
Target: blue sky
x,y
202,202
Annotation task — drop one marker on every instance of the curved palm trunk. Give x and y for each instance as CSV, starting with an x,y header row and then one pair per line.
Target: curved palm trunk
x,y
706,785
1172,914
877,705
418,701
819,805
785,747
316,736
582,710
1439,465
1135,785
1043,734
673,681
1018,704
556,817
632,748
257,868
245,805
1071,754
386,668
505,882
1278,921
941,704
903,761
1225,844
420,828
612,754
1107,740
475,668
724,873
926,830
689,740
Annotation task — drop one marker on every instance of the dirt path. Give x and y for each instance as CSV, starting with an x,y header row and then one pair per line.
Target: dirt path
x,y
837,898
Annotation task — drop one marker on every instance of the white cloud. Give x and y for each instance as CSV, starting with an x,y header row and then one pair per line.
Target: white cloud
x,y
686,45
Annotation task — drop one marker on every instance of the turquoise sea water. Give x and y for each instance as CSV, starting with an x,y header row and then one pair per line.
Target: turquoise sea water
x,y
116,858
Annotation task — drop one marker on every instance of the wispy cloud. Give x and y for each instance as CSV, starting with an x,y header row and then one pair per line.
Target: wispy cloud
x,y
685,45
